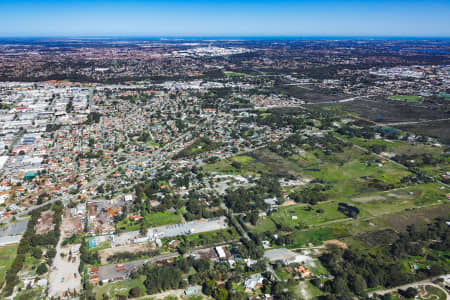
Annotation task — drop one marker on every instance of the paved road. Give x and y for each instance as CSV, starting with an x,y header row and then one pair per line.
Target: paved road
x,y
339,101
414,284
91,99
410,123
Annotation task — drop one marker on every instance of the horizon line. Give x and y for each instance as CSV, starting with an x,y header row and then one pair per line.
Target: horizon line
x,y
230,36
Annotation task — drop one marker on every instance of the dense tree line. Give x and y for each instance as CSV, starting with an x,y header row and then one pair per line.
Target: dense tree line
x,y
87,257
283,118
163,278
357,269
420,160
31,241
126,256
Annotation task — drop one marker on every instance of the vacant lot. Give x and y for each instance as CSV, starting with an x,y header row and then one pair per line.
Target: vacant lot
x,y
258,162
317,236
292,216
401,199
393,111
378,237
417,217
105,253
310,94
440,130
64,274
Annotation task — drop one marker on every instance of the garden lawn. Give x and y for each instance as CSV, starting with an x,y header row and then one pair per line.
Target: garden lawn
x,y
119,288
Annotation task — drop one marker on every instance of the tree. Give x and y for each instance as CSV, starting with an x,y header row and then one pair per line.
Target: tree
x,y
201,265
409,293
135,292
221,294
41,269
387,296
208,287
359,285
144,228
316,282
340,286
51,253
36,252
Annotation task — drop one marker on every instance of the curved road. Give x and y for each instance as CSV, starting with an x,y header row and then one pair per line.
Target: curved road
x,y
414,285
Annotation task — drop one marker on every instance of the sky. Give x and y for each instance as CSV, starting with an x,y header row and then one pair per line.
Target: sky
x,y
400,18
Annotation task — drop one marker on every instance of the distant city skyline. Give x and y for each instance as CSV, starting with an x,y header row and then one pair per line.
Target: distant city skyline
x,y
226,18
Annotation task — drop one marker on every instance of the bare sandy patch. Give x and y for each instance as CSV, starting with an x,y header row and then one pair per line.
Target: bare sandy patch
x,y
104,254
335,243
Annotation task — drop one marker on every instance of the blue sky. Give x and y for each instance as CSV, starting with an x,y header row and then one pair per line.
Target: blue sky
x,y
225,18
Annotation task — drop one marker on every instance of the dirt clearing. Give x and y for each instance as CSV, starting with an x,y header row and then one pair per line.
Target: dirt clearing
x,y
104,254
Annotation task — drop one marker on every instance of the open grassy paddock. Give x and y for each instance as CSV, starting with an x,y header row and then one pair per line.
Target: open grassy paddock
x,y
7,256
412,99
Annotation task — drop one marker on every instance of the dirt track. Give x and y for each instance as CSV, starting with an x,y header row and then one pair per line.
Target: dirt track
x,y
62,278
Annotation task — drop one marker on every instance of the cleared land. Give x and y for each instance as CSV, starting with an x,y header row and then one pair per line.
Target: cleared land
x,y
393,111
64,275
105,253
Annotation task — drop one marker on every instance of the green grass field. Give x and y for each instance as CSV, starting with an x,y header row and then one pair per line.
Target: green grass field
x,y
351,178
401,199
243,159
152,220
162,218
404,148
354,177
30,264
7,256
317,236
412,99
284,215
259,162
348,172
235,74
